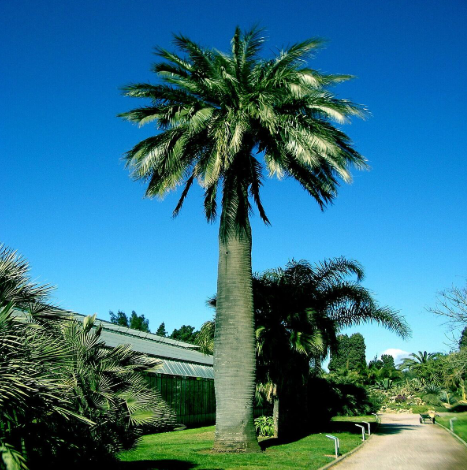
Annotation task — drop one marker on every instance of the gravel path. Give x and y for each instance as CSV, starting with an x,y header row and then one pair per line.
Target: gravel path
x,y
403,443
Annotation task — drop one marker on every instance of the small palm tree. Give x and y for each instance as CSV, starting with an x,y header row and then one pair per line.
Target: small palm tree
x,y
218,114
299,311
65,397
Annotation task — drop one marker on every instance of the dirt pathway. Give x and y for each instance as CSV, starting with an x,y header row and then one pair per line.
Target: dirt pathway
x,y
403,443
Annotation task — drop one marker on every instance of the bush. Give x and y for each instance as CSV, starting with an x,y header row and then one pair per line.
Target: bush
x,y
420,409
66,399
431,399
264,426
328,399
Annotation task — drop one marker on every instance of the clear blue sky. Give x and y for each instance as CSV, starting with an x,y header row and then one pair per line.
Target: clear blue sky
x,y
69,206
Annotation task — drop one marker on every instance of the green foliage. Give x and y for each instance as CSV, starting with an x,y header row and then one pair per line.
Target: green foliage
x,y
417,409
185,333
161,331
135,322
349,354
432,399
214,111
388,361
205,337
463,339
328,398
385,384
65,398
264,426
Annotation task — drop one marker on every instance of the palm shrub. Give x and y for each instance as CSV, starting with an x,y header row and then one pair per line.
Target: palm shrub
x,y
65,398
33,358
108,388
33,388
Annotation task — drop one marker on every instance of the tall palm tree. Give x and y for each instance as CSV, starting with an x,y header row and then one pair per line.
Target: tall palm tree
x,y
217,114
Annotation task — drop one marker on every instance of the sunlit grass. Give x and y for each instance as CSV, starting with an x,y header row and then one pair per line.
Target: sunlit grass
x,y
191,449
460,424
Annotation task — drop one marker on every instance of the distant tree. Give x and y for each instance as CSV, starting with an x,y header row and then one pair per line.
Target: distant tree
x,y
136,322
119,318
463,339
185,333
349,354
427,367
452,303
375,364
388,361
161,331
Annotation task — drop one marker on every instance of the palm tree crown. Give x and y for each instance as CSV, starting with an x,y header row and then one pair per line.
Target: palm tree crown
x,y
217,112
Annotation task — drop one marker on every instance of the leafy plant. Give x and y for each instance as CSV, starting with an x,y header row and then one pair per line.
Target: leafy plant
x,y
432,388
385,384
264,426
65,398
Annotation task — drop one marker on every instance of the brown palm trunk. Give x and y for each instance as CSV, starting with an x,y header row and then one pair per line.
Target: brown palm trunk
x,y
234,348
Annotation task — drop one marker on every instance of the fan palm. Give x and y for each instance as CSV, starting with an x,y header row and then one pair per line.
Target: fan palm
x,y
217,114
65,396
299,311
425,366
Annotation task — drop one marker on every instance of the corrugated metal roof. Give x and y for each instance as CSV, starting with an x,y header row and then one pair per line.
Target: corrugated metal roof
x,y
185,369
155,348
140,334
178,358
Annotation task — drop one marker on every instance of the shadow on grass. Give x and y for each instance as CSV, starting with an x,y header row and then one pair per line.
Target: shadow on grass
x,y
330,428
156,465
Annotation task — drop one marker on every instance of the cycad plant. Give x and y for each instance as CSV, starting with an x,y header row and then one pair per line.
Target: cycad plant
x,y
222,119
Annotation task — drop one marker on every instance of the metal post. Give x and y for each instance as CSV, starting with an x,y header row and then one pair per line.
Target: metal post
x,y
451,424
376,416
336,444
363,430
369,429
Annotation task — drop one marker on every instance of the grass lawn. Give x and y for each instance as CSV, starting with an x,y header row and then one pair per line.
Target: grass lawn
x,y
191,449
460,425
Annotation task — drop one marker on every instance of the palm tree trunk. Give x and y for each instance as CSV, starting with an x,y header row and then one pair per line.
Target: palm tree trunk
x,y
234,347
275,416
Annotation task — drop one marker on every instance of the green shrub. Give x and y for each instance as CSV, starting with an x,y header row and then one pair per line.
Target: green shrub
x,y
328,398
264,426
431,399
420,409
66,400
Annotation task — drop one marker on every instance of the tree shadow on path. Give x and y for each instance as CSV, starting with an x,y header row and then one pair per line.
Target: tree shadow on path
x,y
395,428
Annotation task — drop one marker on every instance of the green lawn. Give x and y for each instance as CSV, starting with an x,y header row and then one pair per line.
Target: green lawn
x,y
191,449
460,425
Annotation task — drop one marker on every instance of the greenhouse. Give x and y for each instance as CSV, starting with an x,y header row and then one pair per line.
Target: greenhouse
x,y
185,377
